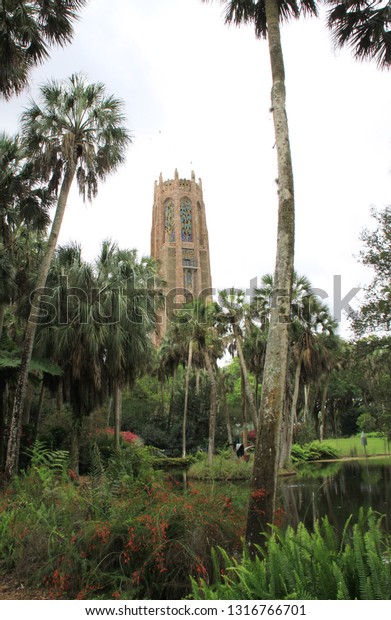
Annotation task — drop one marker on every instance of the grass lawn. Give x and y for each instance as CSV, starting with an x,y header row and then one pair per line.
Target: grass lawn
x,y
351,446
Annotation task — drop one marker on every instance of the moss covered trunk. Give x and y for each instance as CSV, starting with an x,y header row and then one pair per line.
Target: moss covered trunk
x,y
264,478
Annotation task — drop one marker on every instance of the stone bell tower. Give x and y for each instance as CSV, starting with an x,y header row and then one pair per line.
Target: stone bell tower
x,y
179,241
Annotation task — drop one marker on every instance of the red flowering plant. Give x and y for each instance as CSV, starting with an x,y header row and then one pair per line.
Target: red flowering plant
x,y
107,538
127,436
152,540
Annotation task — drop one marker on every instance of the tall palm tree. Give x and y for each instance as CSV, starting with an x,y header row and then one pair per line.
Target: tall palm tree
x,y
254,348
266,15
197,328
233,314
170,355
364,26
77,132
70,336
311,318
27,30
128,307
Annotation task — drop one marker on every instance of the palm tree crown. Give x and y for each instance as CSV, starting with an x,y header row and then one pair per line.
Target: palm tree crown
x,y
239,12
363,25
27,29
78,125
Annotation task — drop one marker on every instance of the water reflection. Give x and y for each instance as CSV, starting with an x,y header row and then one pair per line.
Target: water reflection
x,y
337,490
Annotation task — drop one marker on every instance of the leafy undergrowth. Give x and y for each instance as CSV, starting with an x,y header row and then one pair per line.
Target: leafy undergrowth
x,y
314,451
123,534
299,565
223,467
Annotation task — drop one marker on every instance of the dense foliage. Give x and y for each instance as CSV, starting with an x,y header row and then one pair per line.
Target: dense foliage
x,y
303,565
123,533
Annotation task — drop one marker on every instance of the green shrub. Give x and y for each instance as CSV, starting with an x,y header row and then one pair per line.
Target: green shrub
x,y
314,451
302,565
367,422
223,468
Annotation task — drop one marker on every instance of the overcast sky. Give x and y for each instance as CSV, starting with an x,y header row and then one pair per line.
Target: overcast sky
x,y
197,97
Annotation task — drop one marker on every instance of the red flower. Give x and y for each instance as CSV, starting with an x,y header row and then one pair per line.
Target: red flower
x,y
72,474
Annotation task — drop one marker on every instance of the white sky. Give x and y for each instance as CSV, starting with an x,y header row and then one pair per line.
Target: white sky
x,y
197,97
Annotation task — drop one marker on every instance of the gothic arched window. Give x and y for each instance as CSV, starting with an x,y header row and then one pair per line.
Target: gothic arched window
x,y
200,225
169,221
186,220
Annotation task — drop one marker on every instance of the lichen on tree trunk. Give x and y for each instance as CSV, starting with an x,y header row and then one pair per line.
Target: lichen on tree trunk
x,y
264,478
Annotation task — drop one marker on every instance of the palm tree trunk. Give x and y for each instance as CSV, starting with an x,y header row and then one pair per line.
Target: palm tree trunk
x,y
162,382
291,417
226,413
12,460
264,477
173,381
256,387
286,431
213,406
198,375
323,408
296,388
306,409
27,407
117,415
243,365
184,423
244,409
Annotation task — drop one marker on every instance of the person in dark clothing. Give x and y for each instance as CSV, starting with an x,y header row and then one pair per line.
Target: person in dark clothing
x,y
239,450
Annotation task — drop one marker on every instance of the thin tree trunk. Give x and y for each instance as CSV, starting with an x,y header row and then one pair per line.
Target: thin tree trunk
x,y
197,386
291,417
264,477
306,402
226,413
39,410
117,415
12,460
184,423
296,388
109,408
286,431
171,399
323,409
244,409
162,396
27,407
213,407
243,365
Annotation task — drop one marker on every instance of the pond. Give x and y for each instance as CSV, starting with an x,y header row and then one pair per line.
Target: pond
x,y
337,489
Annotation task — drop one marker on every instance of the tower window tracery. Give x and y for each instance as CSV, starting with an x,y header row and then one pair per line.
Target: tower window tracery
x,y
186,220
188,278
169,221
